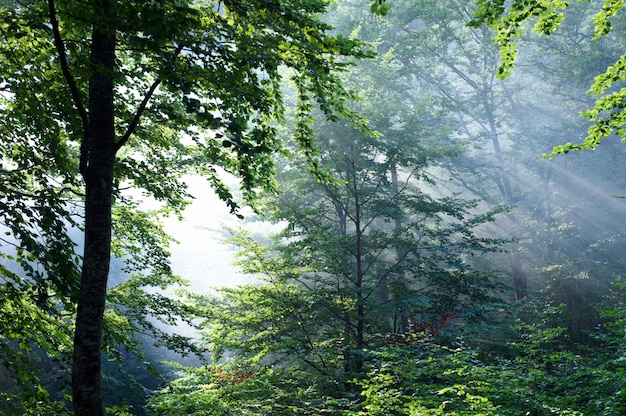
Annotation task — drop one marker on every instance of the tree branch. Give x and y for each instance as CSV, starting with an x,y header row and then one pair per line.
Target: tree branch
x,y
71,83
144,103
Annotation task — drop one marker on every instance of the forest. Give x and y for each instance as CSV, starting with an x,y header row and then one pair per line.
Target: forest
x,y
422,201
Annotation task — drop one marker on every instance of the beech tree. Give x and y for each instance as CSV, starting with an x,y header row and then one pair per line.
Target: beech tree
x,y
106,95
458,65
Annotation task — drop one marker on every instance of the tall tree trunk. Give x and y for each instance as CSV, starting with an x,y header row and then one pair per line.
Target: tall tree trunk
x,y
520,279
547,254
360,307
98,154
403,327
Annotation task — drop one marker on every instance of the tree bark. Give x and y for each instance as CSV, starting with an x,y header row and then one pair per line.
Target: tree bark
x,y
98,155
401,283
360,307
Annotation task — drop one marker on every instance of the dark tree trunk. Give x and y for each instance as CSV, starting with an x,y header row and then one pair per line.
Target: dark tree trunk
x,y
97,159
360,307
401,283
520,280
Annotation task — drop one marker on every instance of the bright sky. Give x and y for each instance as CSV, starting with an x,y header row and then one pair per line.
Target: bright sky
x,y
201,255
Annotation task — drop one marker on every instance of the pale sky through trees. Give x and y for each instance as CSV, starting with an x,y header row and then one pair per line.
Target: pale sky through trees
x,y
201,256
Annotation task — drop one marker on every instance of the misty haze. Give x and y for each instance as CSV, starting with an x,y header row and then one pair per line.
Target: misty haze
x,y
383,207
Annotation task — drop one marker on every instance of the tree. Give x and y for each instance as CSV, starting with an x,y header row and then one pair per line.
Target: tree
x,y
508,20
364,257
102,96
578,48
310,325
510,124
457,64
292,329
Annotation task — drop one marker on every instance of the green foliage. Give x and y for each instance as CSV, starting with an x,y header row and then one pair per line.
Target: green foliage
x,y
39,265
341,251
282,321
379,7
35,352
357,256
608,115
508,22
538,375
533,370
228,390
552,356
196,91
426,379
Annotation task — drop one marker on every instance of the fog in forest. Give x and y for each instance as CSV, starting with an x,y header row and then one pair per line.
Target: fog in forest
x,y
457,132
430,256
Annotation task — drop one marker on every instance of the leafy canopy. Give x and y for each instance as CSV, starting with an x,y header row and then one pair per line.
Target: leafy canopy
x,y
509,20
197,90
